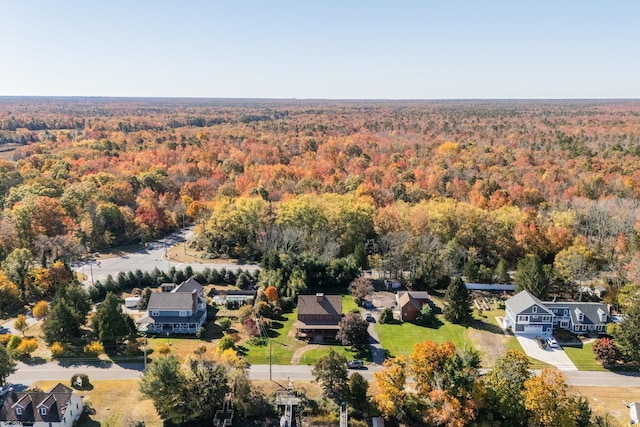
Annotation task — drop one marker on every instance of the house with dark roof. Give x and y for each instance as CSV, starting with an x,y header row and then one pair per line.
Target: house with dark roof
x,y
183,310
318,317
58,407
526,314
410,304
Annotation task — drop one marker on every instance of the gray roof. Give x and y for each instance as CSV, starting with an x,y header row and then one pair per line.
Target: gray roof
x,y
170,301
589,310
522,301
188,286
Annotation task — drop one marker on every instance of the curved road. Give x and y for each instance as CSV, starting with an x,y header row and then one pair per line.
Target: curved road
x,y
148,259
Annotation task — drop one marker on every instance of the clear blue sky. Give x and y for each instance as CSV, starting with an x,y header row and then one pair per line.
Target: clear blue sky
x,y
321,48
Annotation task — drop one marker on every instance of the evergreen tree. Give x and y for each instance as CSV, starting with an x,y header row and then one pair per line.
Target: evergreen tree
x,y
63,324
7,364
110,324
627,336
458,303
532,276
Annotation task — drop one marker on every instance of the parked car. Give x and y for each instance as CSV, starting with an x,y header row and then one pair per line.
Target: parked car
x,y
552,342
369,317
542,343
355,364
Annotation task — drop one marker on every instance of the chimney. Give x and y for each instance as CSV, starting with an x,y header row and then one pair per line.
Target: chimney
x,y
319,297
194,299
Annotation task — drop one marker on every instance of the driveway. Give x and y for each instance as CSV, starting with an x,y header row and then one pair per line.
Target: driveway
x,y
553,356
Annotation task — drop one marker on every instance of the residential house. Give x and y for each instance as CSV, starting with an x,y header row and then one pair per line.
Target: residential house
x,y
318,317
410,304
58,407
526,314
183,310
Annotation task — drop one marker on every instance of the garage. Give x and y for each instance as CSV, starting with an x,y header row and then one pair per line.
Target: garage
x,y
532,329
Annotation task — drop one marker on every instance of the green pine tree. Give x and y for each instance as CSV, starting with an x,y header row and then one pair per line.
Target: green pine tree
x,y
458,303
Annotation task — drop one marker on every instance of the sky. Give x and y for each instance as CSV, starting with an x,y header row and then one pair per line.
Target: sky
x,y
447,49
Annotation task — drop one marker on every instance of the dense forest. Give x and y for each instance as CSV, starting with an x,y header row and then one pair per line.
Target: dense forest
x,y
419,189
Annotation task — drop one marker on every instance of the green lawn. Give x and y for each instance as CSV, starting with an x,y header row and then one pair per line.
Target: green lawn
x,y
309,357
399,339
282,347
584,358
348,304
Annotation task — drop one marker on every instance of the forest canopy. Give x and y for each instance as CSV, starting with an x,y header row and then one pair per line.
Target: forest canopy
x,y
426,188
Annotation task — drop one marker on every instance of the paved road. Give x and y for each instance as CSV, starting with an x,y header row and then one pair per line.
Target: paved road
x,y
148,259
27,374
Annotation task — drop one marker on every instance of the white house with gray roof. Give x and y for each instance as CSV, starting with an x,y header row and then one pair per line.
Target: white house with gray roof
x,y
526,314
183,310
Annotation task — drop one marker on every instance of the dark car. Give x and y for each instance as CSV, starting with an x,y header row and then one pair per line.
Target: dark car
x,y
542,343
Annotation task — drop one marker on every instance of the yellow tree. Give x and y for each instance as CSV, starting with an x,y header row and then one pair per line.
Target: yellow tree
x,y
549,404
27,346
21,324
41,310
9,292
428,362
391,381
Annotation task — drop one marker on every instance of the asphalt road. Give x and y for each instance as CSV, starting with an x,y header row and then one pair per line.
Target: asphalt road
x,y
148,259
27,374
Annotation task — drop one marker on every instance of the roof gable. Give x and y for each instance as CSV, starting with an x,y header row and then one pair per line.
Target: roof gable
x,y
316,304
188,286
523,302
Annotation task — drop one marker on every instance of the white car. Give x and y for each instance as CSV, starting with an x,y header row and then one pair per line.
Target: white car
x,y
552,342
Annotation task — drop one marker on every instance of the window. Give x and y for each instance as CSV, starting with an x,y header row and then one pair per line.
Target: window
x,y
183,314
155,313
18,411
43,411
535,309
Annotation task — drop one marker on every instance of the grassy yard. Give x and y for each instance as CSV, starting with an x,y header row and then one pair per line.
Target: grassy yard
x,y
584,358
399,339
116,403
309,357
282,348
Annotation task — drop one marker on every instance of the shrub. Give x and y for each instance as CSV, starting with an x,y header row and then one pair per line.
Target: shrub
x,y
132,348
427,316
386,316
27,346
58,349
4,339
606,351
163,349
245,312
201,332
225,323
225,343
94,349
14,342
80,381
40,310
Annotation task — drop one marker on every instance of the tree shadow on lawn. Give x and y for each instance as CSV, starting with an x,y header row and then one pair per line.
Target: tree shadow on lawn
x,y
487,326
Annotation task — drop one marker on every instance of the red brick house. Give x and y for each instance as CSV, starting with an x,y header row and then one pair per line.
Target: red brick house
x,y
318,317
410,304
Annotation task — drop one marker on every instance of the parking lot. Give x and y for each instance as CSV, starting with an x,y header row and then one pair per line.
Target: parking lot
x,y
553,356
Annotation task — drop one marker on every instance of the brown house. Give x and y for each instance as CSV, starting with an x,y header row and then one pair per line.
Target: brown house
x,y
410,304
318,317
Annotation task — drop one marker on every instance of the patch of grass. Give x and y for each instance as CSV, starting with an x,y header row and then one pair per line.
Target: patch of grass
x,y
310,357
348,304
282,348
583,358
